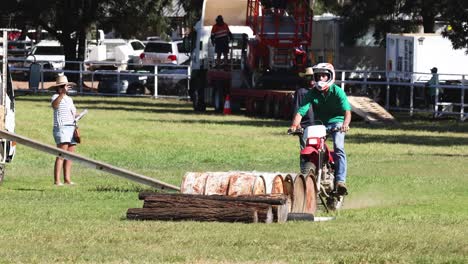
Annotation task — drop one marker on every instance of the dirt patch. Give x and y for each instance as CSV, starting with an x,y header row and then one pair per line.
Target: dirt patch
x,y
372,198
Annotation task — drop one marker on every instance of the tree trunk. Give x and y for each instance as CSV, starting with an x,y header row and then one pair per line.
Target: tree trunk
x,y
272,199
242,215
182,205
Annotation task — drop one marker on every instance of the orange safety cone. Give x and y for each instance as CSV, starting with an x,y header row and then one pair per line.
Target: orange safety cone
x,y
227,105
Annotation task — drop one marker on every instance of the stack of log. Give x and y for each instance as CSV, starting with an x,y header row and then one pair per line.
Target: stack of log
x,y
179,207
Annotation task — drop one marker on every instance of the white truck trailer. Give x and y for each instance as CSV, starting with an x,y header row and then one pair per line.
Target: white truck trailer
x,y
418,53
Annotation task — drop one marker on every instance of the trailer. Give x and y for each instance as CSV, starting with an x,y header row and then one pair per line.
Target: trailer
x,y
411,56
263,73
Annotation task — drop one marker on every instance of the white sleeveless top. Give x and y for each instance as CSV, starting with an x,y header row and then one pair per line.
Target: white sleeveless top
x,y
64,115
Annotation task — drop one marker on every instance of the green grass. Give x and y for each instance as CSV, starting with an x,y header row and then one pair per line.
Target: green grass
x,y
408,183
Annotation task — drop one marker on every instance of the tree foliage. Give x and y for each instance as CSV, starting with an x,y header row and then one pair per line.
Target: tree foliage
x,y
399,16
70,20
456,13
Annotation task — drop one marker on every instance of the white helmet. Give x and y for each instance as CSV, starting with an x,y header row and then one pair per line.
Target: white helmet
x,y
328,69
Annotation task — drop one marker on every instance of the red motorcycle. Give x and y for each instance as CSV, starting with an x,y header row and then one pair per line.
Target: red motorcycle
x,y
317,160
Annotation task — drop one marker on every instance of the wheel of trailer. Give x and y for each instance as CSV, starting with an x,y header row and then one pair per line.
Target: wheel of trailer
x,y
277,107
287,111
255,79
267,109
218,100
257,107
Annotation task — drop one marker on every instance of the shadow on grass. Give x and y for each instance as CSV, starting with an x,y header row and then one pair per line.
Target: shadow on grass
x,y
408,139
29,190
440,126
84,103
250,122
136,189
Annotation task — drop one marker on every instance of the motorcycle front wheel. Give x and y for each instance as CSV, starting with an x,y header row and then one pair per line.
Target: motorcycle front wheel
x,y
306,167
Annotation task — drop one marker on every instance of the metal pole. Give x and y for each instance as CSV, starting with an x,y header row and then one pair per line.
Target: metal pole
x,y
89,162
189,73
81,77
436,99
387,99
118,83
4,67
42,78
462,103
343,79
411,97
155,92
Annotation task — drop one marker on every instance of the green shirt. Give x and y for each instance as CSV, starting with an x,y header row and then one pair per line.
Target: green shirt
x,y
329,108
432,84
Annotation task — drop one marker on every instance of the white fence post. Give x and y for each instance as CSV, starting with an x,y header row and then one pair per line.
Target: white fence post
x,y
462,102
155,92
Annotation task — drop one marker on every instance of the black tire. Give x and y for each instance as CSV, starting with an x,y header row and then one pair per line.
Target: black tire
x,y
181,88
218,99
300,217
335,203
307,166
267,106
136,88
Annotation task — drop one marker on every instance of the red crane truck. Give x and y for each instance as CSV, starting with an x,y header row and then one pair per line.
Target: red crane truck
x,y
267,52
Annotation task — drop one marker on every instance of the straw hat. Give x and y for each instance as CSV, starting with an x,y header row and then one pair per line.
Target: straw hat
x,y
308,71
62,80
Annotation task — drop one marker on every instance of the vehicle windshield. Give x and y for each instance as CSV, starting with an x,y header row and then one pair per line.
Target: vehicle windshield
x,y
137,45
158,47
49,50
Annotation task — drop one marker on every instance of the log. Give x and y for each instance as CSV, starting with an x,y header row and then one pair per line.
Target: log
x,y
273,199
184,203
280,213
241,215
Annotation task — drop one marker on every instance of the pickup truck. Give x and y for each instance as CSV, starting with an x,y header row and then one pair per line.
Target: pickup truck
x,y
114,54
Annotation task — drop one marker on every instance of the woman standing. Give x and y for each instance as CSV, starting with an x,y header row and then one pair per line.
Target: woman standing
x,y
64,127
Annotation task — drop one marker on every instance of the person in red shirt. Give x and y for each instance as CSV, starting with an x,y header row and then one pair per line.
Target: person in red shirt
x,y
220,36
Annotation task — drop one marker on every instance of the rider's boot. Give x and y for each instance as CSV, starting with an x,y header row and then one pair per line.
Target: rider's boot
x,y
341,188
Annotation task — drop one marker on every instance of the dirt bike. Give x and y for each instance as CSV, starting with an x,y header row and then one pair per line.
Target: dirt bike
x,y
317,160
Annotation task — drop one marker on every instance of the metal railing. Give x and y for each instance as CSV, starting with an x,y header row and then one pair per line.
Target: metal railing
x,y
161,80
409,92
394,90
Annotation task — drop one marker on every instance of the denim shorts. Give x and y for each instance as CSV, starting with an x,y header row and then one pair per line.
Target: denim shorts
x,y
64,134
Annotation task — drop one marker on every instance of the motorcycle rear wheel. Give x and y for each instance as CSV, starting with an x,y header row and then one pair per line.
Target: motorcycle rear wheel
x,y
335,203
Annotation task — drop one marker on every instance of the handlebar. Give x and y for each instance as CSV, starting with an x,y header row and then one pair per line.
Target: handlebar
x,y
297,132
300,131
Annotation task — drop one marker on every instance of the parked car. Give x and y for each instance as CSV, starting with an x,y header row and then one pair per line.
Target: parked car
x,y
160,52
49,52
172,80
123,82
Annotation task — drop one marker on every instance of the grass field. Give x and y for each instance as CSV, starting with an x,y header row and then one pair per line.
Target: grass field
x,y
408,184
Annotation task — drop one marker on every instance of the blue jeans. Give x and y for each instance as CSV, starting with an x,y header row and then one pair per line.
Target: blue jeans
x,y
340,154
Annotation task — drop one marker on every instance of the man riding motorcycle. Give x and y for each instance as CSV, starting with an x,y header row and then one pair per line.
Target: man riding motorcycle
x,y
332,108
